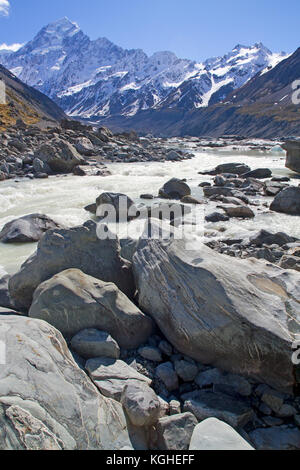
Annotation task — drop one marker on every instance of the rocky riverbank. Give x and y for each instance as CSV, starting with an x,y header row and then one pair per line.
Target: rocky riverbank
x,y
74,148
151,358
155,343
83,150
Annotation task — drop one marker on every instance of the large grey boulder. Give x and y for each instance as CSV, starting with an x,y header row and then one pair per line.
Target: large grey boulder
x,y
207,404
276,438
175,189
239,315
120,203
234,168
175,432
173,156
293,155
259,173
46,401
287,201
213,434
141,404
41,167
95,343
60,156
228,168
111,376
77,247
27,229
84,146
73,301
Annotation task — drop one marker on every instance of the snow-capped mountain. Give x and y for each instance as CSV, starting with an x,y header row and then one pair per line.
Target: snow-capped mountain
x,y
97,79
10,48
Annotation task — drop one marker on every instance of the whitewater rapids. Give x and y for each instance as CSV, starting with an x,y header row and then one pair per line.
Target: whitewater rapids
x,y
63,198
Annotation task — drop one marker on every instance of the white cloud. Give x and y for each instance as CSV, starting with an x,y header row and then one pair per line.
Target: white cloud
x,y
4,7
11,47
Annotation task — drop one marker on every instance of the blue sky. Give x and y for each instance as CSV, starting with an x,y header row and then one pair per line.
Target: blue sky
x,y
195,29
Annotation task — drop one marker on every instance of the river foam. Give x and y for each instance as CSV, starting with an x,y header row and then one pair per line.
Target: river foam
x,y
63,198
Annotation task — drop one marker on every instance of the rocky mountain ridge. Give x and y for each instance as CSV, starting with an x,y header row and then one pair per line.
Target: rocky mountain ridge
x,y
97,79
25,105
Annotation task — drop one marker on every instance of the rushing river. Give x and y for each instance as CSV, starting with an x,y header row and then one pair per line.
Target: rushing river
x,y
63,198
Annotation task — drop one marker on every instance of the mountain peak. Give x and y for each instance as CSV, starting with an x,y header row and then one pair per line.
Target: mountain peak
x,y
93,79
165,57
259,46
239,47
62,26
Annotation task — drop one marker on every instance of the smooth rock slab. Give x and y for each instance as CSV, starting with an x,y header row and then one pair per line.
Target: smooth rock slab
x,y
216,405
72,301
175,432
77,247
111,376
91,343
238,315
213,434
46,400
